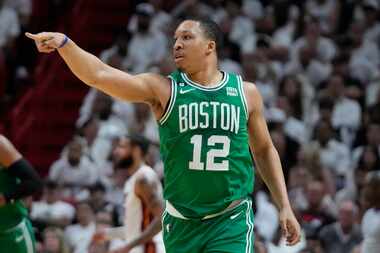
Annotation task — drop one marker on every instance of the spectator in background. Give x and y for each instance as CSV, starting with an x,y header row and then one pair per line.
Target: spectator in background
x,y
323,49
146,47
74,170
101,205
238,26
79,235
98,117
334,155
372,24
318,212
230,57
326,12
145,123
372,138
23,9
53,241
343,235
51,210
9,26
371,219
346,114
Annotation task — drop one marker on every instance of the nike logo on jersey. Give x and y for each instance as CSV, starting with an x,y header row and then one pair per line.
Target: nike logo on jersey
x,y
181,91
232,217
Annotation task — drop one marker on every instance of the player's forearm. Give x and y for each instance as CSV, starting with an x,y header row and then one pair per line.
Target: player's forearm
x,y
147,234
84,65
269,167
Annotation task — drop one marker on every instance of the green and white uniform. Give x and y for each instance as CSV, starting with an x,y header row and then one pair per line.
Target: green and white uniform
x,y
207,163
16,233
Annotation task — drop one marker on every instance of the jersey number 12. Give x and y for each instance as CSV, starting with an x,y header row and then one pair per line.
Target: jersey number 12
x,y
211,165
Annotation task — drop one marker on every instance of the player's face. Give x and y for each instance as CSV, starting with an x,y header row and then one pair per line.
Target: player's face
x,y
190,46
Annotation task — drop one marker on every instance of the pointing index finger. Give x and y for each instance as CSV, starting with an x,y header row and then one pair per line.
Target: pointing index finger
x,y
31,36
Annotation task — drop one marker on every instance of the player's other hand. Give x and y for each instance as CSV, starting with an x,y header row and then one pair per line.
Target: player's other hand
x,y
290,226
47,42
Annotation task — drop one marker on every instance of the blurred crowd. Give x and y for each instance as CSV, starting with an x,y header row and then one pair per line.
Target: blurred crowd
x,y
317,66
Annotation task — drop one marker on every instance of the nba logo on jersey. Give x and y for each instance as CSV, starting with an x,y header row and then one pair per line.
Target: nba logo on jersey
x,y
231,91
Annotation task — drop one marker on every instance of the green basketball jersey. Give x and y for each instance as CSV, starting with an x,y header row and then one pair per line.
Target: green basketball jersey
x,y
204,145
10,214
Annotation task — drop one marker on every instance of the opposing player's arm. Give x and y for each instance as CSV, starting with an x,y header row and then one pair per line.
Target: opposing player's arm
x,y
268,162
91,70
148,190
16,166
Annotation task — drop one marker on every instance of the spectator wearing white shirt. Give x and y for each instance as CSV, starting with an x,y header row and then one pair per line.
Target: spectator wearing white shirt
x,y
50,210
346,112
9,25
79,236
110,126
371,219
326,12
334,154
23,9
324,48
238,26
365,54
368,162
308,66
371,8
73,168
146,47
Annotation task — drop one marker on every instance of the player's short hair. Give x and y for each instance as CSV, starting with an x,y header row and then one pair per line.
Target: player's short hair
x,y
211,30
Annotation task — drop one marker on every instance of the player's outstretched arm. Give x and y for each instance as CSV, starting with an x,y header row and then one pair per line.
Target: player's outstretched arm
x,y
16,166
92,71
269,164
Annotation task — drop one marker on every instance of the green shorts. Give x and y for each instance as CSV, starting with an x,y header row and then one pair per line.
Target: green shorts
x,y
19,239
230,232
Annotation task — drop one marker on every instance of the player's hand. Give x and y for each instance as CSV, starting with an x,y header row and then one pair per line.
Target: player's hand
x,y
47,42
3,201
290,227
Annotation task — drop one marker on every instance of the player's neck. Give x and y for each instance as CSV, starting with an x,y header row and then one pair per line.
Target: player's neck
x,y
207,77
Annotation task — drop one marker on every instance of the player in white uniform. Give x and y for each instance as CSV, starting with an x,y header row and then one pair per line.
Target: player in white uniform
x,y
143,202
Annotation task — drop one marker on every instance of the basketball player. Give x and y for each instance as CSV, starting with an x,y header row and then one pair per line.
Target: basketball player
x,y
210,122
143,201
17,180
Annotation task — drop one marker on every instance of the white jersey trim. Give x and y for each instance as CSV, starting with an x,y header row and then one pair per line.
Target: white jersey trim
x,y
218,86
171,102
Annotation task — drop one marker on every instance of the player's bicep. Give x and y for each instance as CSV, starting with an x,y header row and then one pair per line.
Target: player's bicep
x,y
132,88
259,137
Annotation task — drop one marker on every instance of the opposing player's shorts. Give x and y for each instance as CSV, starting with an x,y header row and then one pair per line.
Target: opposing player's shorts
x,y
19,239
230,232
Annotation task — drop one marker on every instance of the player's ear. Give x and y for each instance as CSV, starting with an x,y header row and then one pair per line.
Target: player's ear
x,y
211,47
